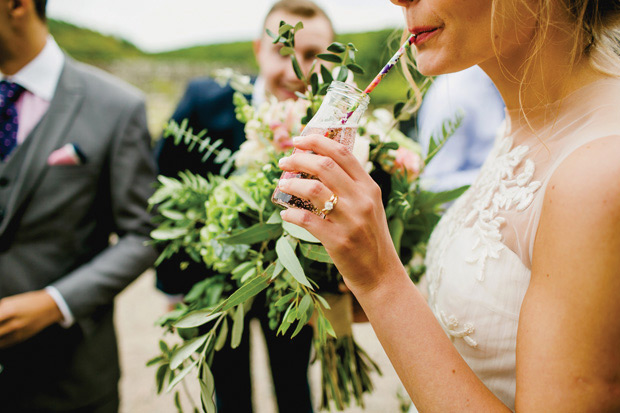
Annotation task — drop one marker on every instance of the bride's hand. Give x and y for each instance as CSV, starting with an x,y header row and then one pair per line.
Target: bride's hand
x,y
355,232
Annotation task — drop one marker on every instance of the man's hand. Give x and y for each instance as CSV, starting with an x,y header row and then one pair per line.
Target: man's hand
x,y
24,315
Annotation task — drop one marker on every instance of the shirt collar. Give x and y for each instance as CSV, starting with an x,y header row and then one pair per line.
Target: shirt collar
x,y
258,92
40,76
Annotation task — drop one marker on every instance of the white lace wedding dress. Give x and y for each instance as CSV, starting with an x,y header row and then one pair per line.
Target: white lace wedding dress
x,y
479,256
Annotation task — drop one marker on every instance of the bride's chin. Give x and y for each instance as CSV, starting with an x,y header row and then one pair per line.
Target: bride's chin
x,y
435,65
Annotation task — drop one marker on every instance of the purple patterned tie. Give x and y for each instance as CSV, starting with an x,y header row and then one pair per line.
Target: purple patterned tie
x,y
9,93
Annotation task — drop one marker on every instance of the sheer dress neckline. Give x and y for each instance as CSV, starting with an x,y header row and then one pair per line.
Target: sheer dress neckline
x,y
479,256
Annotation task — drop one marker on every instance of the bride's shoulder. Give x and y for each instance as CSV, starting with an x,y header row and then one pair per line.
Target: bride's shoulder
x,y
587,181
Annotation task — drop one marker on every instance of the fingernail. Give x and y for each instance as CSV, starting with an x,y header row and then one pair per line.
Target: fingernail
x,y
282,213
282,161
282,182
296,139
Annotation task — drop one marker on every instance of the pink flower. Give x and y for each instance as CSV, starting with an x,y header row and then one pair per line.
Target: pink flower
x,y
282,139
288,125
406,161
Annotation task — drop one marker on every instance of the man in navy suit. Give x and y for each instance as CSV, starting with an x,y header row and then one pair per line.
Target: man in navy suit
x,y
206,105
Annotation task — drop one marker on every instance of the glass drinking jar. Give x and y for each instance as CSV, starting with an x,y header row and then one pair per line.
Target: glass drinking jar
x,y
335,121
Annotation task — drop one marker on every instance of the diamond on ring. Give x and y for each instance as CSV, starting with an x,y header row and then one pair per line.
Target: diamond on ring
x,y
330,204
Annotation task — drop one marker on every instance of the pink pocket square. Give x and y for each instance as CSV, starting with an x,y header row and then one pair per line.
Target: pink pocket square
x,y
69,154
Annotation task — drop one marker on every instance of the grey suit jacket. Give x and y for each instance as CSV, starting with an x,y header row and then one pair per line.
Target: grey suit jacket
x,y
55,227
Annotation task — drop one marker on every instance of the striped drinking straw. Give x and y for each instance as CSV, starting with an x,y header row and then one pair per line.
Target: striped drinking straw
x,y
390,64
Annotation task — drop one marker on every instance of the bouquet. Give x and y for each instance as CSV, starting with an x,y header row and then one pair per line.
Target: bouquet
x,y
231,226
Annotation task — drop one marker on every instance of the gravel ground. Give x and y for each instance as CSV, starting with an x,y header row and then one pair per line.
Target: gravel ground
x,y
140,304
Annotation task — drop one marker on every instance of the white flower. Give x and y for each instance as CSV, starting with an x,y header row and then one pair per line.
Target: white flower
x,y
253,130
361,151
251,153
240,83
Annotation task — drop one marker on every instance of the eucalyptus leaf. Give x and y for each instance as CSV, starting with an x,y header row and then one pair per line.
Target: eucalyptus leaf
x,y
299,232
207,389
245,292
247,198
183,352
256,233
277,270
328,57
284,28
304,304
237,330
160,376
177,402
315,253
248,274
275,218
355,68
271,34
398,107
286,51
196,318
329,328
326,75
154,361
169,233
314,83
242,268
222,336
181,375
172,214
432,200
286,299
289,260
323,301
336,47
298,72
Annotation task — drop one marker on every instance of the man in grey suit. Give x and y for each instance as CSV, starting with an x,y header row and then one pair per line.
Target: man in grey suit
x,y
75,167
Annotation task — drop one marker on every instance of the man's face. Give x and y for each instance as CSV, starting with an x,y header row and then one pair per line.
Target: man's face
x,y
276,70
5,29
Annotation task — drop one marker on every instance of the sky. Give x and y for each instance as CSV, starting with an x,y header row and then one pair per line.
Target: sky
x,y
160,25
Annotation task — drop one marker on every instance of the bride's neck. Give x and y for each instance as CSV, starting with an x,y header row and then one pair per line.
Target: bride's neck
x,y
551,76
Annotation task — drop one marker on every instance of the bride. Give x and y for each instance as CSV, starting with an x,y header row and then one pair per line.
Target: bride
x,y
524,269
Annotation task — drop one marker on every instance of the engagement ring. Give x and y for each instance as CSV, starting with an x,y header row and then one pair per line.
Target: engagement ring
x,y
330,205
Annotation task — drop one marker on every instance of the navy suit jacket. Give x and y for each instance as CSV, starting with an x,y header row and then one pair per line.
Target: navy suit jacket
x,y
206,105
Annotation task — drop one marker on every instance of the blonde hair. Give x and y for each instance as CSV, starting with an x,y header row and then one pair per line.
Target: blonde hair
x,y
598,25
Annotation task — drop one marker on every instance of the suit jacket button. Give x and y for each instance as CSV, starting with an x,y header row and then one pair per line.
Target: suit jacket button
x,y
4,181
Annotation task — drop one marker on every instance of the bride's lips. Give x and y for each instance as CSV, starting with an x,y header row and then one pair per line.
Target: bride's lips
x,y
424,33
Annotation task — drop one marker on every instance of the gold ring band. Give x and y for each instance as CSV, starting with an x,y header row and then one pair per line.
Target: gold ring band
x,y
330,205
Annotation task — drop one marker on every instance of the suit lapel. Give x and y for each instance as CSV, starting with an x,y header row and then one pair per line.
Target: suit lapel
x,y
45,138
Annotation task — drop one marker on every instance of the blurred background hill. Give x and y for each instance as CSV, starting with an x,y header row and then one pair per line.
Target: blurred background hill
x,y
163,76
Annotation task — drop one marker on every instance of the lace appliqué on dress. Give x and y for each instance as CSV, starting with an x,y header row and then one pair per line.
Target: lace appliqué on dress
x,y
499,190
496,189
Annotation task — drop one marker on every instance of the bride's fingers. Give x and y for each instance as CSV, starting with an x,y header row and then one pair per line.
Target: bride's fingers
x,y
323,167
316,225
334,150
311,189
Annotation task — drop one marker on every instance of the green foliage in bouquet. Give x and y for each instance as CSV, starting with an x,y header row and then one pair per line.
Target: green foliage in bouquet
x,y
231,226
